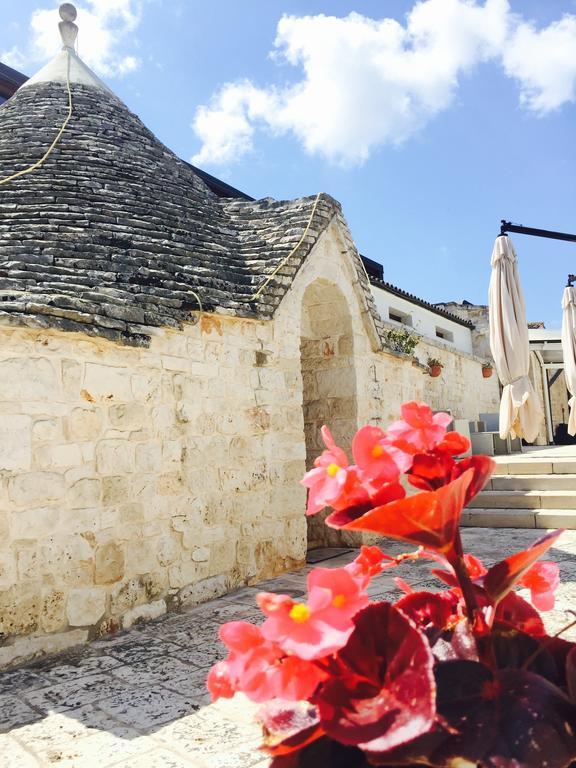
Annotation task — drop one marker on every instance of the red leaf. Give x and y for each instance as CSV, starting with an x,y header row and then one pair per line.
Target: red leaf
x,y
501,577
288,725
430,518
515,612
483,467
381,689
428,610
571,674
507,719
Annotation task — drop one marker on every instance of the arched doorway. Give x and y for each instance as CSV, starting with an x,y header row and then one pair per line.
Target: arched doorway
x,y
329,385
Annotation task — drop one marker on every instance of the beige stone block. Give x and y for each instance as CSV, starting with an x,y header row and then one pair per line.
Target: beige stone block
x,y
40,521
28,378
4,528
114,456
71,378
125,595
556,518
19,609
15,442
186,572
146,387
141,557
168,549
131,513
115,488
53,610
128,416
148,457
35,488
84,424
27,560
46,430
143,613
106,382
200,554
51,456
108,563
26,648
84,607
68,559
84,493
85,521
7,568
169,484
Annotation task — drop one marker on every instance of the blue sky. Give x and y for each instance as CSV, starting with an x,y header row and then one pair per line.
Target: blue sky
x,y
428,128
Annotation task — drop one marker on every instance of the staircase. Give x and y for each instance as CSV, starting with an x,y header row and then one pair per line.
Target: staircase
x,y
527,491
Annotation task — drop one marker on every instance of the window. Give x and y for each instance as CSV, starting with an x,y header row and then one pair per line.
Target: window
x,y
399,317
443,334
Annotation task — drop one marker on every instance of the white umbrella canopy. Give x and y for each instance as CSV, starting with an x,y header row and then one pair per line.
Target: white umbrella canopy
x,y
520,412
569,351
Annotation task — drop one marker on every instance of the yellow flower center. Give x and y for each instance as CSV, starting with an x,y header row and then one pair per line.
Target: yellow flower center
x,y
299,613
339,601
377,451
332,470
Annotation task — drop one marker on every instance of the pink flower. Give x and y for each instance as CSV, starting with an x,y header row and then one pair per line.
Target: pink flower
x,y
418,429
377,460
328,480
259,668
542,580
321,626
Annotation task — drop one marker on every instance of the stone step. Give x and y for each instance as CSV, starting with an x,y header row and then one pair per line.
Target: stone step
x,y
519,518
561,482
524,500
521,465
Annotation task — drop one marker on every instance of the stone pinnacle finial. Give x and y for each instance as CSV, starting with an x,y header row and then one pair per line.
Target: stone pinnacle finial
x,y
68,30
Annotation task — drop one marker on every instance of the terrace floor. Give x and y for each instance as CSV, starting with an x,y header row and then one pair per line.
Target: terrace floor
x,y
137,699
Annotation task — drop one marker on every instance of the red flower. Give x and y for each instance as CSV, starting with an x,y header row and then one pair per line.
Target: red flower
x,y
543,579
259,668
321,626
380,692
418,430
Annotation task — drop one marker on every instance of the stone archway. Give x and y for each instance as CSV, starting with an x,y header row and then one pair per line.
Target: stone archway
x,y
329,385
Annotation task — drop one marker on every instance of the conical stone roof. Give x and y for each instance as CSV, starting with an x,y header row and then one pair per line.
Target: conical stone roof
x,y
114,234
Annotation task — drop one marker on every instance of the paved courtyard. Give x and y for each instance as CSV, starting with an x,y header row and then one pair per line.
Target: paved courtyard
x,y
137,699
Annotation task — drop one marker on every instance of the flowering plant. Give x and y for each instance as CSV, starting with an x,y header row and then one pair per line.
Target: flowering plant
x,y
462,677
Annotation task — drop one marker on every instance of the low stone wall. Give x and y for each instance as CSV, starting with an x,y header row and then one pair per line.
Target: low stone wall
x,y
132,480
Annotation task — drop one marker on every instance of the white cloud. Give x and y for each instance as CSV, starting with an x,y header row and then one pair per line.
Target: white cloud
x,y
105,26
544,62
365,82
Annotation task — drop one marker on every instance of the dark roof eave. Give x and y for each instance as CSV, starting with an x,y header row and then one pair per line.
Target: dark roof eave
x,y
420,302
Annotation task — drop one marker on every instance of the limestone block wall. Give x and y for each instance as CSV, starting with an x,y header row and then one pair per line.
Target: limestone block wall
x,y
132,480
382,381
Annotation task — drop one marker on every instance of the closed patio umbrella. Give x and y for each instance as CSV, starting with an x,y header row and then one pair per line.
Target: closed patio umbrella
x,y
569,351
520,413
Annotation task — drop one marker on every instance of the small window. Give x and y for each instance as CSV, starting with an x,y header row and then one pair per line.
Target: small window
x,y
399,317
443,334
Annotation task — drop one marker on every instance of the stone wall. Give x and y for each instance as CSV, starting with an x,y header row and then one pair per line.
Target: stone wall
x,y
133,480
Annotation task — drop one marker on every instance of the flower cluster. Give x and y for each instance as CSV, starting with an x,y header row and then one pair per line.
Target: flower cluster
x,y
465,676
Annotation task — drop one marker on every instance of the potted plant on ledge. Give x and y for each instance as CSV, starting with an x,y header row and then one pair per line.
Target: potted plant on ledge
x,y
434,367
487,369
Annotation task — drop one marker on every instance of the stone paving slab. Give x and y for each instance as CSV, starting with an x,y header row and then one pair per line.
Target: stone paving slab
x,y
138,699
